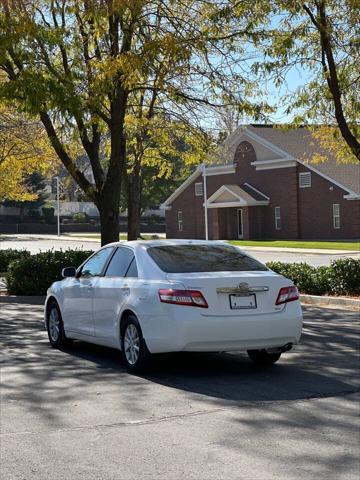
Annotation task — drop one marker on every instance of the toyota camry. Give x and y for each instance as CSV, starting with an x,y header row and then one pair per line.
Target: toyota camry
x,y
148,297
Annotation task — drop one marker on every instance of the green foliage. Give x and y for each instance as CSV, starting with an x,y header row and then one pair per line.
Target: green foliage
x,y
33,274
9,255
80,217
48,214
345,278
342,277
319,38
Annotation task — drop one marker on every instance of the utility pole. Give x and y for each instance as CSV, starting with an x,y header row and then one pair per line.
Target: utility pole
x,y
58,204
205,202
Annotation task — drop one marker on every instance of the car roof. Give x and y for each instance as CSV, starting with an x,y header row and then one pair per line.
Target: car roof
x,y
162,242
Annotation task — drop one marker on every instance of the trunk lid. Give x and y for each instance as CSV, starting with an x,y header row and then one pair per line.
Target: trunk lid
x,y
235,293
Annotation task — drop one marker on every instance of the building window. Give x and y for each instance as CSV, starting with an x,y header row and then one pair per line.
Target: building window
x,y
305,179
336,215
180,221
199,189
277,218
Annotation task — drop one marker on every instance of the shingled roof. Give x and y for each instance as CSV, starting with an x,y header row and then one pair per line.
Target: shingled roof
x,y
300,144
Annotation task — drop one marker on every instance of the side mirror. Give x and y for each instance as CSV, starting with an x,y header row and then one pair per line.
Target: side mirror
x,y
68,272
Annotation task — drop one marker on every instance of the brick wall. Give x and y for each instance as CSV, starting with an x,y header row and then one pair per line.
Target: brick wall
x,y
305,212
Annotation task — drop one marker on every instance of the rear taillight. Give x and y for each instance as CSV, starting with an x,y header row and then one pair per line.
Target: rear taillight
x,y
192,298
287,294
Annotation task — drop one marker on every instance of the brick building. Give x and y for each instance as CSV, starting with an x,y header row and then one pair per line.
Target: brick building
x,y
266,188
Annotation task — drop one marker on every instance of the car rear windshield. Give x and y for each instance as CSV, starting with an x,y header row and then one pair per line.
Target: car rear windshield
x,y
203,258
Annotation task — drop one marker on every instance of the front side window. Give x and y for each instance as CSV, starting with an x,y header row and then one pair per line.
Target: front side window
x,y
203,258
336,215
120,262
95,265
277,218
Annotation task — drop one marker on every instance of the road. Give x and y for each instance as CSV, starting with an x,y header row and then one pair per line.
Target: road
x,y
77,414
266,255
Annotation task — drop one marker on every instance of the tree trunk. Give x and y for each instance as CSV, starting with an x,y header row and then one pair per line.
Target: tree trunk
x,y
109,218
134,193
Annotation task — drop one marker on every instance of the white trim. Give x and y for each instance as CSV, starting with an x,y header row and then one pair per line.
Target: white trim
x,y
221,190
269,145
237,204
274,164
182,187
240,203
257,191
306,165
243,130
221,170
211,170
351,196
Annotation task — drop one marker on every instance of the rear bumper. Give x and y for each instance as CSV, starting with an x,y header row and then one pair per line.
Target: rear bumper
x,y
199,332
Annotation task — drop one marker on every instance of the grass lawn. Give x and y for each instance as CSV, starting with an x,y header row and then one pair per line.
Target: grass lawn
x,y
355,246
299,244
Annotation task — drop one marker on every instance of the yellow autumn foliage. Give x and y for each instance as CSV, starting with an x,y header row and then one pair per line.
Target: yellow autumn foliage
x,y
24,149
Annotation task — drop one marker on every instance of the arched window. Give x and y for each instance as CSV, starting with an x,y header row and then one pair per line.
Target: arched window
x,y
244,152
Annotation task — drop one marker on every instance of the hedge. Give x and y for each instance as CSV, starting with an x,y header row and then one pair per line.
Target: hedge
x,y
9,255
33,274
342,277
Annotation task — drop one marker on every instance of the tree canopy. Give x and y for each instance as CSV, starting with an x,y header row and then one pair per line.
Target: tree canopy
x,y
79,66
320,38
24,150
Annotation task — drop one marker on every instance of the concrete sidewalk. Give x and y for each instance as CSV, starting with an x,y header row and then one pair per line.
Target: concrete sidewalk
x,y
323,251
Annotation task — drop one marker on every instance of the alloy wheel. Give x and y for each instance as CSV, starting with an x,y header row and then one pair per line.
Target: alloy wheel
x,y
131,344
54,324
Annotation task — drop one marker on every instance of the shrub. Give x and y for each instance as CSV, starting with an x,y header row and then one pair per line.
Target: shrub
x,y
80,217
33,274
48,214
345,276
303,275
9,255
342,277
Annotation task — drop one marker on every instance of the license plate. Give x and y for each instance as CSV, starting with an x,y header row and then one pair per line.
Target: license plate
x,y
238,302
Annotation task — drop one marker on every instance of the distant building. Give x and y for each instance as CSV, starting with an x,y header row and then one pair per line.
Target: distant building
x,y
265,188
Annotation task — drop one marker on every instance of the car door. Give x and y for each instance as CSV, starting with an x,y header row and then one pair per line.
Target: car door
x,y
79,294
112,290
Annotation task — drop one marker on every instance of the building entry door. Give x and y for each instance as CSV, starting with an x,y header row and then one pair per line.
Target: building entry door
x,y
240,223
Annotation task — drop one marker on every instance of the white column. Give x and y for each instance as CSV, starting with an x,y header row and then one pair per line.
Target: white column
x,y
205,202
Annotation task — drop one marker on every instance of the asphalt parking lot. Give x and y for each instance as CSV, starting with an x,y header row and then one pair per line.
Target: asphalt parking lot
x,y
77,414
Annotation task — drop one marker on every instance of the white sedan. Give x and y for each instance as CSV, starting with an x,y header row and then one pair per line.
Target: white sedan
x,y
147,297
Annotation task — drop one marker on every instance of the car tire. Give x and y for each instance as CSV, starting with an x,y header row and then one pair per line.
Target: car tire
x,y
135,354
263,358
55,326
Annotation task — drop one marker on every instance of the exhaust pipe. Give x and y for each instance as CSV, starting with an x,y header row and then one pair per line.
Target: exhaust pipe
x,y
284,348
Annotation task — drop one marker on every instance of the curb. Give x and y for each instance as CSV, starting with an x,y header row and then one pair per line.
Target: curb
x,y
306,251
29,300
334,302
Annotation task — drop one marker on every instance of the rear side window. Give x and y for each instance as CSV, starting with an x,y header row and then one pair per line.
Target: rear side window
x,y
203,258
120,262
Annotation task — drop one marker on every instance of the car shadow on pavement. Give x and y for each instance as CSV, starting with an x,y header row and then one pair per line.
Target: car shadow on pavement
x,y
325,364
